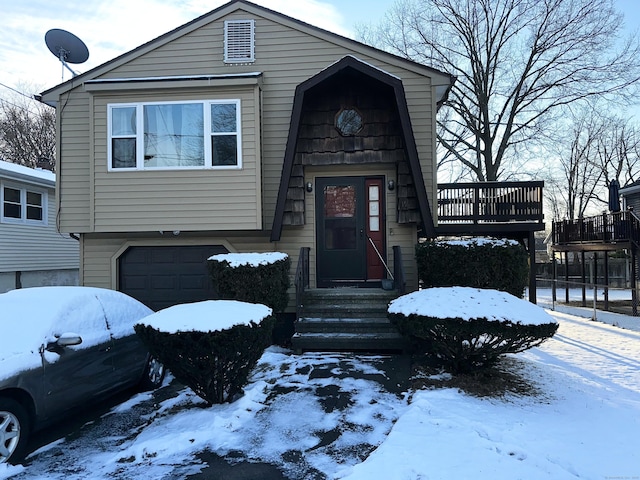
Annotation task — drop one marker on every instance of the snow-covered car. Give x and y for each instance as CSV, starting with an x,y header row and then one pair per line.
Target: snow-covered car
x,y
62,348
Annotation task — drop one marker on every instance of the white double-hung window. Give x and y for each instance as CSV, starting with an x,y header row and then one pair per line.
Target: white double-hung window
x,y
175,135
22,205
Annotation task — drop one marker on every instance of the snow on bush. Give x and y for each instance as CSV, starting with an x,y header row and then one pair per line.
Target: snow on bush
x,y
500,264
466,328
252,277
210,346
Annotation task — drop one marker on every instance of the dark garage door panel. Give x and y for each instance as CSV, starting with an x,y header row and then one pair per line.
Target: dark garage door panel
x,y
164,276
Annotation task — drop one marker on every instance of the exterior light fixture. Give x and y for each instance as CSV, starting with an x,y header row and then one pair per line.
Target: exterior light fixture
x,y
309,187
391,185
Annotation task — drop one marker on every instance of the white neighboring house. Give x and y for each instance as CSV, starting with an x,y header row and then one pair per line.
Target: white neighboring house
x,y
32,252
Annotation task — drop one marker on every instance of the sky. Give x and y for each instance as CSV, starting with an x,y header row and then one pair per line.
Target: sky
x,y
112,27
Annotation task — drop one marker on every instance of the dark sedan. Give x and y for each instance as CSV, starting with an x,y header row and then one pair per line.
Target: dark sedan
x,y
61,348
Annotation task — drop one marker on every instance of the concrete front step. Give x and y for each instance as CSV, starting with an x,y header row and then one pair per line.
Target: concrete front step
x,y
351,342
345,325
346,319
345,311
347,302
348,295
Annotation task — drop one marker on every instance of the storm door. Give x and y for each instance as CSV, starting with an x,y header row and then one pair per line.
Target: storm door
x,y
347,216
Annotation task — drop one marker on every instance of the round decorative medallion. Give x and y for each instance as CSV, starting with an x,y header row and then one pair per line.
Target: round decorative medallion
x,y
349,122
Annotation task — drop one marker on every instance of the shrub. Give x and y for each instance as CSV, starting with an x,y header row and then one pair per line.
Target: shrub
x,y
466,329
252,277
482,263
215,364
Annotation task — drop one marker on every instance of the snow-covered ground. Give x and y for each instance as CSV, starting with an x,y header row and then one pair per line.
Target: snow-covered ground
x,y
584,424
545,299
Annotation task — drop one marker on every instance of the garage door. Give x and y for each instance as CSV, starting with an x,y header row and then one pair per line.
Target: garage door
x,y
164,276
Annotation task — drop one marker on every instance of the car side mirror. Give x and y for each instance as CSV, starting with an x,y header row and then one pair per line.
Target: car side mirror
x,y
69,339
64,340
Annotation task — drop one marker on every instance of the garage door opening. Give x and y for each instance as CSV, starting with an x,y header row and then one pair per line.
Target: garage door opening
x,y
161,277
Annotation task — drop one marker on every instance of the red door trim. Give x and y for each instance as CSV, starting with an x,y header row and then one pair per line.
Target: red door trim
x,y
375,227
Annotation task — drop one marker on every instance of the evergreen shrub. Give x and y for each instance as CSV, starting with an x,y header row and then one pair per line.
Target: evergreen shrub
x,y
460,344
214,364
235,278
482,263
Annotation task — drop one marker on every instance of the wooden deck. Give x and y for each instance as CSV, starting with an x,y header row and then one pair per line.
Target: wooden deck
x,y
489,208
602,233
609,231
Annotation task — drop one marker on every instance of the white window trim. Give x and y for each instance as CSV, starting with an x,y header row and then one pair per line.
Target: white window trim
x,y
23,205
249,40
206,132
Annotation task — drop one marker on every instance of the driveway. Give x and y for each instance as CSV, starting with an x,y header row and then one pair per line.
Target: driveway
x,y
90,440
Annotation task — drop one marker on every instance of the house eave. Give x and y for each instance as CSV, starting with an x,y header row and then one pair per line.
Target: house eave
x,y
631,189
14,174
179,81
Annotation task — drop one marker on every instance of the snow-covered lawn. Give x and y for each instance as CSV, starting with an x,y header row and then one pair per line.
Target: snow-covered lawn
x,y
585,424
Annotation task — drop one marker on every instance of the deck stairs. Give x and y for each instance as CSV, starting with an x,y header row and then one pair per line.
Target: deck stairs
x,y
346,319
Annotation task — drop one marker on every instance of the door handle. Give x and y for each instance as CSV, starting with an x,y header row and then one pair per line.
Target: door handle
x,y
361,232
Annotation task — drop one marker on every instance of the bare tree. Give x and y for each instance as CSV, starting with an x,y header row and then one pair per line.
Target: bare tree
x,y
517,62
593,149
27,131
618,154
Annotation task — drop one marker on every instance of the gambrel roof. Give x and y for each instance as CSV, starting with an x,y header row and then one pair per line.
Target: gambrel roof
x,y
351,62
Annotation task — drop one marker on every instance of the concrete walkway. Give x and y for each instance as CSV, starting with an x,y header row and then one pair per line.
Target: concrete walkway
x,y
394,377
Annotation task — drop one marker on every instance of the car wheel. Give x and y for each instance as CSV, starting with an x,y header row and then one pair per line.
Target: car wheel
x,y
153,374
14,430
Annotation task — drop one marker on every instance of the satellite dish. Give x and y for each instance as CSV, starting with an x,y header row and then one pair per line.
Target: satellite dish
x,y
67,47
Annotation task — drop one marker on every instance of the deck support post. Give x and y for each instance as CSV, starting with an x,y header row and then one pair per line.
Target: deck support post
x,y
554,283
566,277
594,278
634,283
584,278
533,298
606,281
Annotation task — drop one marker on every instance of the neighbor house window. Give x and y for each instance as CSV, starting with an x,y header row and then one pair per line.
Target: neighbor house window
x,y
22,205
239,41
175,135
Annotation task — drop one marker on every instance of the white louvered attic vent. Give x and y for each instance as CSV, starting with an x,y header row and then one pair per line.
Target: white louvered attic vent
x,y
239,41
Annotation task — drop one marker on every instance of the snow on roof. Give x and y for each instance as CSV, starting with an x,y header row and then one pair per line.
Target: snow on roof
x,y
470,303
479,241
370,65
206,316
20,172
173,77
251,259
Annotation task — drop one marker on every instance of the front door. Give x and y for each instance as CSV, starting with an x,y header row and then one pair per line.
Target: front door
x,y
349,221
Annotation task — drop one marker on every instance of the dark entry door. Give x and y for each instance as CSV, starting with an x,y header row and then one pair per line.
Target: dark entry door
x,y
343,224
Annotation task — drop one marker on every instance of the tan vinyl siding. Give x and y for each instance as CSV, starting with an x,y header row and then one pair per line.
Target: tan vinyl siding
x,y
422,111
286,55
101,252
73,164
37,247
286,58
186,200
